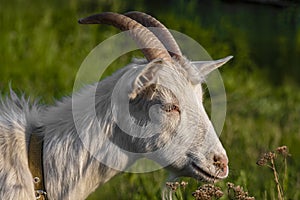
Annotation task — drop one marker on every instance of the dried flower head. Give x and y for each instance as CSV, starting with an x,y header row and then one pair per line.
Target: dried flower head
x,y
172,185
265,158
230,185
207,192
238,192
220,165
183,184
261,161
283,150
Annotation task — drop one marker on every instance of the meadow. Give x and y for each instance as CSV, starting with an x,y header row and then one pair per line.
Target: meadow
x,y
42,47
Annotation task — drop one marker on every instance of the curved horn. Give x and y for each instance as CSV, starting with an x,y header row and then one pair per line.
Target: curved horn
x,y
142,36
164,35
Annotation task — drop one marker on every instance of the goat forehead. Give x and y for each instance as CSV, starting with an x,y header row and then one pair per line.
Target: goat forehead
x,y
181,88
174,78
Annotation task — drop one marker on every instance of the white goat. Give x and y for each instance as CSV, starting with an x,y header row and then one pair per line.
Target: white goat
x,y
164,90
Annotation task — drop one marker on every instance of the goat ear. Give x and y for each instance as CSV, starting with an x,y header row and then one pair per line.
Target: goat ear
x,y
206,67
146,78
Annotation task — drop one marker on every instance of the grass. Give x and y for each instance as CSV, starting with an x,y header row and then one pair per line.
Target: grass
x,y
42,47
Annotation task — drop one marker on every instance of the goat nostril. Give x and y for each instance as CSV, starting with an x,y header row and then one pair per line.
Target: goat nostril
x,y
216,158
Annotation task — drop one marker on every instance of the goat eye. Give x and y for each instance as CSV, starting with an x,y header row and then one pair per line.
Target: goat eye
x,y
170,108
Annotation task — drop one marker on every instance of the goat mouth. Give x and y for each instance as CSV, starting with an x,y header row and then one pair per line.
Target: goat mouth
x,y
204,175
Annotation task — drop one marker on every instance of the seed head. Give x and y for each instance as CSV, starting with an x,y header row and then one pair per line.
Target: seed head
x,y
265,158
238,192
183,184
207,192
172,185
283,150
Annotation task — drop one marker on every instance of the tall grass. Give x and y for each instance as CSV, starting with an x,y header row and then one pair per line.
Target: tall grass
x,y
42,47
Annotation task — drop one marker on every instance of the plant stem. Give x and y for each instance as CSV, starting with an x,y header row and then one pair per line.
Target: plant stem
x,y
279,190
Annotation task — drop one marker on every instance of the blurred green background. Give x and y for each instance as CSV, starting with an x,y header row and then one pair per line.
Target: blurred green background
x,y
42,47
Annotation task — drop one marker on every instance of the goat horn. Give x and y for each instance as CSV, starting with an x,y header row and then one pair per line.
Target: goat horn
x,y
142,36
164,35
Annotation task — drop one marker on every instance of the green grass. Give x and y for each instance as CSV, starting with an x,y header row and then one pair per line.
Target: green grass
x,y
42,47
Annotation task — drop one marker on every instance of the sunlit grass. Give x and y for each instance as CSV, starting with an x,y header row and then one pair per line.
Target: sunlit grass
x,y
42,47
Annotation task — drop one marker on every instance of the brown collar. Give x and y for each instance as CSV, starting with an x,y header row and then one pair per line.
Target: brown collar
x,y
35,161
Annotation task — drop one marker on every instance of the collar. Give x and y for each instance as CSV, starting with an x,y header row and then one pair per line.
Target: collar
x,y
35,162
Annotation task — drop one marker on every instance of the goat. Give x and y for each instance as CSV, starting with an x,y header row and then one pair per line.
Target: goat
x,y
167,116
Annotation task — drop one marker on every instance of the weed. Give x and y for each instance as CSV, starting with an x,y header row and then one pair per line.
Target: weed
x,y
269,159
208,192
237,192
175,189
